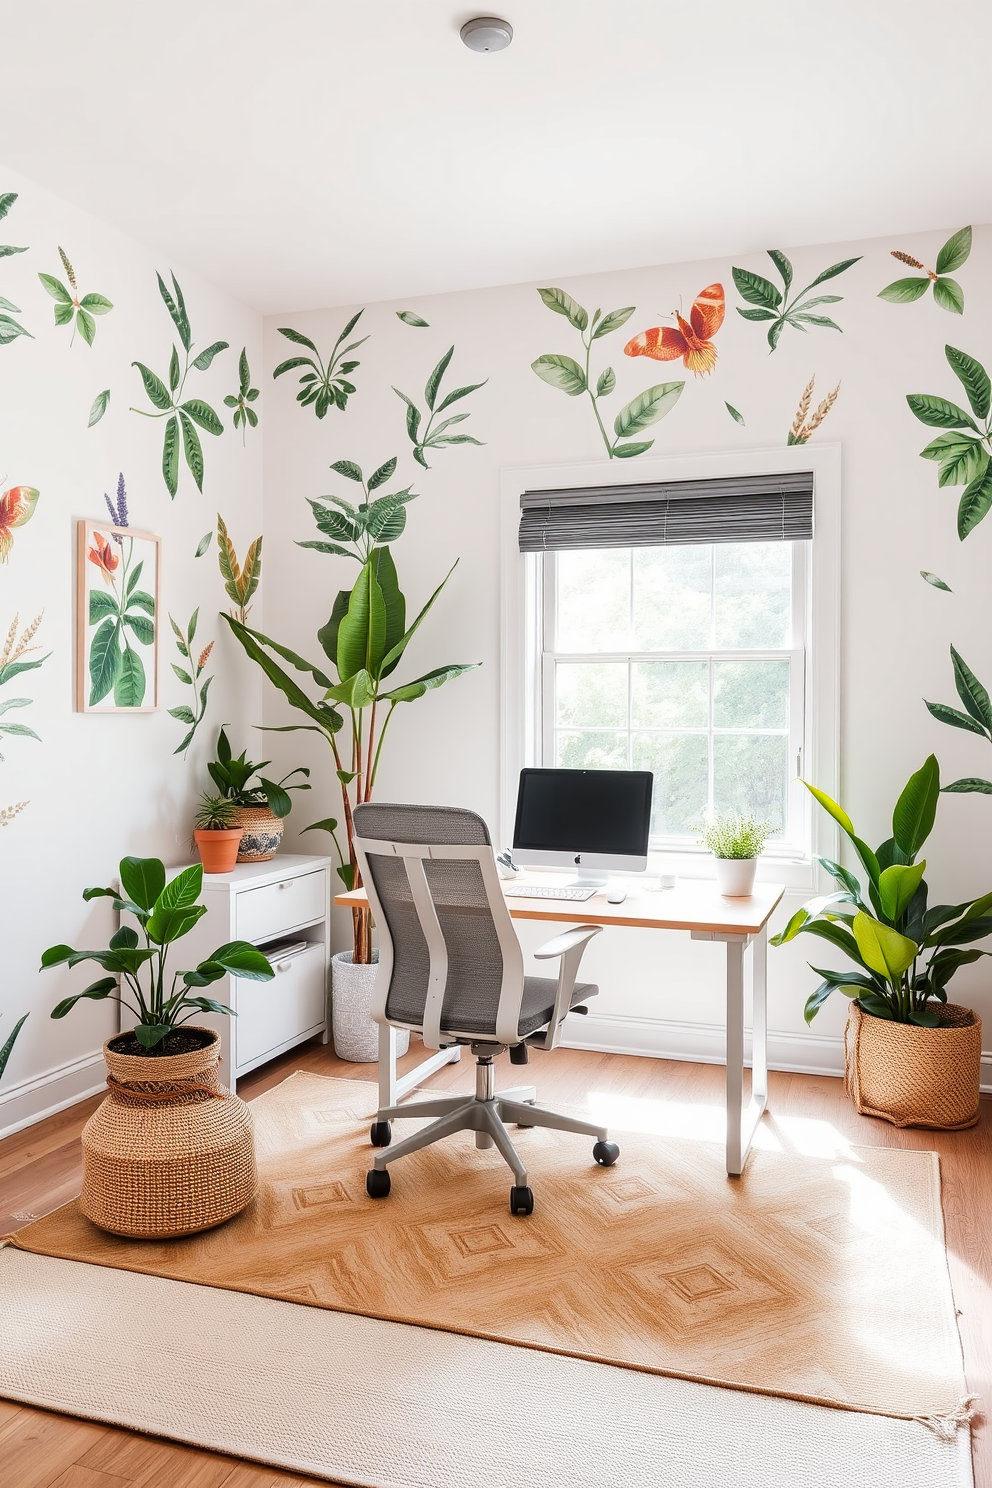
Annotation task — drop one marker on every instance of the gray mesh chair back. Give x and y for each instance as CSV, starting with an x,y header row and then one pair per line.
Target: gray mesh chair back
x,y
483,961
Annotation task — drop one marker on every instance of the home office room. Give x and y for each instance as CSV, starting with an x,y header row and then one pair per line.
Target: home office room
x,y
495,746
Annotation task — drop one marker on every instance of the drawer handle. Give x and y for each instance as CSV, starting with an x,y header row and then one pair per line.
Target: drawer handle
x,y
284,966
287,883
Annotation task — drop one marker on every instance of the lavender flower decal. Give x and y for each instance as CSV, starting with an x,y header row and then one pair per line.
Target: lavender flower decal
x,y
118,513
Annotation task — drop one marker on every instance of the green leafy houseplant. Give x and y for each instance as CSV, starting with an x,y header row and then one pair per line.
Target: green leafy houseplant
x,y
565,373
165,912
739,834
233,777
962,454
904,950
215,814
363,641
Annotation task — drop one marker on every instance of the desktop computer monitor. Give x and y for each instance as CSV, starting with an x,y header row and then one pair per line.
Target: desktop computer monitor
x,y
586,819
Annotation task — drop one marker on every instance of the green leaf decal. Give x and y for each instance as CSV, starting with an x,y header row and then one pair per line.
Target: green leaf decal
x,y
192,449
647,408
954,252
202,362
973,378
142,627
756,290
628,451
409,318
904,291
170,456
783,265
98,408
101,605
939,413
962,457
563,304
737,417
56,289
202,414
561,372
612,322
932,578
129,684
971,692
834,270
949,295
606,382
434,381
974,504
156,389
204,544
105,660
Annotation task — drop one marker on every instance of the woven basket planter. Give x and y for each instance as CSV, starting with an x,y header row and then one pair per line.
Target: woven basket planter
x,y
915,1076
261,834
170,1151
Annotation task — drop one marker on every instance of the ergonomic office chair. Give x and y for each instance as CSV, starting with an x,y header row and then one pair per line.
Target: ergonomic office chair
x,y
451,969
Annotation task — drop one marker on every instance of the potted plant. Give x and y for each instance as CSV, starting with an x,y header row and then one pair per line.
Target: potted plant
x,y
363,642
736,840
260,808
217,833
170,1150
911,1057
5,1050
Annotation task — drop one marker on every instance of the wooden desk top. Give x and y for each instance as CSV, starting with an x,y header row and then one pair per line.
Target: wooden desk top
x,y
693,904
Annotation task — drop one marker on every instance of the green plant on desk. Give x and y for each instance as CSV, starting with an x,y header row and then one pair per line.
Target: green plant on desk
x,y
905,950
739,834
165,912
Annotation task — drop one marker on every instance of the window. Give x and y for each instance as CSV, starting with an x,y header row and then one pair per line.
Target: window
x,y
685,660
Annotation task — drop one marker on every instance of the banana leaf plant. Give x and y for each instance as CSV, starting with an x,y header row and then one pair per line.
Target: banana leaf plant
x,y
165,912
363,642
904,949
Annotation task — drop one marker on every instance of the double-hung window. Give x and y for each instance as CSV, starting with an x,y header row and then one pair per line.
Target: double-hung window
x,y
672,636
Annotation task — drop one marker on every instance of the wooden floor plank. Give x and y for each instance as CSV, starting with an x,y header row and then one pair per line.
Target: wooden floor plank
x,y
41,1168
86,1477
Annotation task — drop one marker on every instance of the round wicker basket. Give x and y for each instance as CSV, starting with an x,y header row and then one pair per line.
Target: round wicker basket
x,y
915,1076
170,1151
261,834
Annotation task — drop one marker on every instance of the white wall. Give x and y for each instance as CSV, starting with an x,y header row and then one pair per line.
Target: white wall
x,y
101,786
896,629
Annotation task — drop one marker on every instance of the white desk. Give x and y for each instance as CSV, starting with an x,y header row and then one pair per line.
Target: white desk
x,y
693,905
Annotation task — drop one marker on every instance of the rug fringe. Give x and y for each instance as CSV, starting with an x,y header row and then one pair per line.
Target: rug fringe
x,y
947,1426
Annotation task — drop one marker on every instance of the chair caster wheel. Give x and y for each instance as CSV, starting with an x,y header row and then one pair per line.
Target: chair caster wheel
x,y
377,1183
381,1134
521,1200
606,1153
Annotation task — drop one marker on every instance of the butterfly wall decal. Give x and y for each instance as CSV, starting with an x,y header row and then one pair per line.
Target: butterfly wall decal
x,y
16,507
691,339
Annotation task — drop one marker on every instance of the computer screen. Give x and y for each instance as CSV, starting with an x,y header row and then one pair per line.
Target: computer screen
x,y
589,818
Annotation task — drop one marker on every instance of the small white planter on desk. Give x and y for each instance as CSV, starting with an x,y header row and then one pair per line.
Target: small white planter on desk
x,y
288,898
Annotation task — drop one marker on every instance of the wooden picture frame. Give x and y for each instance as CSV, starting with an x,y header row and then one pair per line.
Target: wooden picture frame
x,y
118,590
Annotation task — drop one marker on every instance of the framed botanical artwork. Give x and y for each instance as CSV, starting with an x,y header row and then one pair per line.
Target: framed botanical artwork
x,y
118,586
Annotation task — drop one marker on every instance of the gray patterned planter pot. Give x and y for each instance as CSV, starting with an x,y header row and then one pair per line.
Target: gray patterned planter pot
x,y
356,1036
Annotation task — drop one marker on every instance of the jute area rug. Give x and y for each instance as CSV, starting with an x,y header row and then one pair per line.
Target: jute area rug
x,y
822,1280
385,1405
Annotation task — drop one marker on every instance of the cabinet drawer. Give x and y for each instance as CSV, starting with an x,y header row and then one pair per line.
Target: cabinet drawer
x,y
272,1013
280,906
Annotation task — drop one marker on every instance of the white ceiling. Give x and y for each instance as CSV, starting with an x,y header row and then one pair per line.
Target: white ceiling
x,y
318,152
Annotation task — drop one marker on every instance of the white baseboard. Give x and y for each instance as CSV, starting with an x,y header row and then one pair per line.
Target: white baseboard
x,y
705,1043
24,1104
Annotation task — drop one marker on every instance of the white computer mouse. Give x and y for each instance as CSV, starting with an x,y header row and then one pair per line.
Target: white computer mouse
x,y
616,896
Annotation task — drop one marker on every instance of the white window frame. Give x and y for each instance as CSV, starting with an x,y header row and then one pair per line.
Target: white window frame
x,y
524,594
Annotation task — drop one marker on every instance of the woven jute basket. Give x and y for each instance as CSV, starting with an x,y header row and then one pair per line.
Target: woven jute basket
x,y
170,1151
915,1076
261,835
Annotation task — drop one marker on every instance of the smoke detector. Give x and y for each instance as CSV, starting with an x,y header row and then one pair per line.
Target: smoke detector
x,y
487,34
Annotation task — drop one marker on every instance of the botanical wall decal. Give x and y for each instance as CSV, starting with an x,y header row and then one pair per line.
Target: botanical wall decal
x,y
204,543
180,415
565,373
773,304
241,401
117,634
434,437
9,329
691,339
190,675
932,578
976,720
16,507
7,813
734,414
98,408
12,665
374,521
323,386
69,308
118,508
805,423
962,455
239,583
409,318
947,293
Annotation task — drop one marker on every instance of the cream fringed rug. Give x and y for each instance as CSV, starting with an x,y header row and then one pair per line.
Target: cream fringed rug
x,y
385,1405
820,1279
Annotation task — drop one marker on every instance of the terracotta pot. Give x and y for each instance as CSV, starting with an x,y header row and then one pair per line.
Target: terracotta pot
x,y
261,834
170,1151
915,1076
735,876
218,850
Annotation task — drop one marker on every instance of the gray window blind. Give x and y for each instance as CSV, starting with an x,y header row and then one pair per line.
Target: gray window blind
x,y
750,508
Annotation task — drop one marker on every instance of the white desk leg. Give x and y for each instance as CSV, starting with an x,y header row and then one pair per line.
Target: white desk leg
x,y
393,1087
735,1054
759,1019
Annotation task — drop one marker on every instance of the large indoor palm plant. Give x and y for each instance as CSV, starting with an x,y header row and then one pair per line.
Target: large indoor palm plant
x,y
363,642
905,952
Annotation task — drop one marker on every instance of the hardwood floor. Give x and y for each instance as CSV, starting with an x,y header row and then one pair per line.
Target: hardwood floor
x,y
40,1168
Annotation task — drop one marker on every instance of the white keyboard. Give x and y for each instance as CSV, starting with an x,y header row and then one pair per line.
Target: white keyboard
x,y
548,891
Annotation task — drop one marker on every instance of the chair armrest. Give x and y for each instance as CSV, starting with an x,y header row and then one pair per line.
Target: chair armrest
x,y
580,935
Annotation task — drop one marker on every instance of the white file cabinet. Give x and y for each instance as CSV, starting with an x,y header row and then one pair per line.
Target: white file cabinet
x,y
287,901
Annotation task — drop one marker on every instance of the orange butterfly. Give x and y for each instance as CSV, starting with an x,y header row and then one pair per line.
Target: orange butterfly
x,y
692,341
16,507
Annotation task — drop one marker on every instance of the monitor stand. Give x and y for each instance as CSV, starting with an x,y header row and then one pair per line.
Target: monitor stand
x,y
588,878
